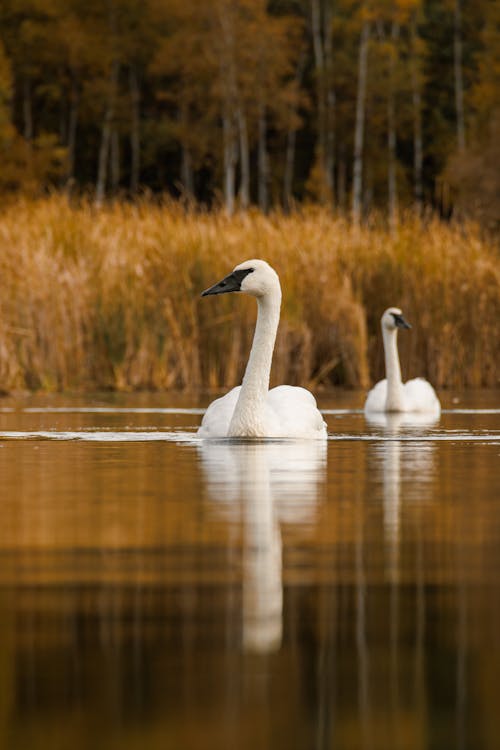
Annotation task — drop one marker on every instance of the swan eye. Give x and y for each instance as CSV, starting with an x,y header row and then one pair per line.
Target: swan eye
x,y
400,321
240,274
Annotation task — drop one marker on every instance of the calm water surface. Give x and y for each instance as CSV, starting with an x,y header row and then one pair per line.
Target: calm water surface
x,y
157,591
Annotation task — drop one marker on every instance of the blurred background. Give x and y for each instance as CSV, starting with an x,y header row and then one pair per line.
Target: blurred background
x,y
359,105
148,146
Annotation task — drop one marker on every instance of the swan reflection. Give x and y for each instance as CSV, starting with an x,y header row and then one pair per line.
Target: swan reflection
x,y
411,461
262,485
406,468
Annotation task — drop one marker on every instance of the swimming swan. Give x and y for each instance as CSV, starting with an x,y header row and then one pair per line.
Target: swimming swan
x,y
392,395
252,410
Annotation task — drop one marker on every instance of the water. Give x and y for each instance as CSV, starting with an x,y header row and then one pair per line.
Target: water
x,y
160,592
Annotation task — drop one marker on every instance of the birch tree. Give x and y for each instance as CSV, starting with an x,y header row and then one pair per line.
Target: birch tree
x,y
458,74
291,133
416,87
357,172
106,133
391,129
321,31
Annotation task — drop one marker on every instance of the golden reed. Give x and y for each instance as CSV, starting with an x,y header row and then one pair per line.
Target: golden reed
x,y
110,298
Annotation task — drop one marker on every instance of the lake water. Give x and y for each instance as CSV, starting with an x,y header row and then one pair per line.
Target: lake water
x,y
161,592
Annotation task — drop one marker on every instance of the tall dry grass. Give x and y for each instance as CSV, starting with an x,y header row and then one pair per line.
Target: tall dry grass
x,y
109,298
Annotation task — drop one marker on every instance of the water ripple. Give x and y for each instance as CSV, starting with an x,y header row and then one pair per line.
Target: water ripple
x,y
103,436
108,410
190,410
112,436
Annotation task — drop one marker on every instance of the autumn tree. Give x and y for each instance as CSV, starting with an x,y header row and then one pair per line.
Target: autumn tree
x,y
32,156
473,170
361,104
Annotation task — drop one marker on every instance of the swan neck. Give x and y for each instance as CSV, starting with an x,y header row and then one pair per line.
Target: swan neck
x,y
393,371
255,385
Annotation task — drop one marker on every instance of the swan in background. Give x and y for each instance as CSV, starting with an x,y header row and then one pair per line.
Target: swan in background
x,y
258,486
391,394
252,410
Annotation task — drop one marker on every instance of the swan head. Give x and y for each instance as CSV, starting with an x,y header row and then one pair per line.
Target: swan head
x,y
254,277
393,318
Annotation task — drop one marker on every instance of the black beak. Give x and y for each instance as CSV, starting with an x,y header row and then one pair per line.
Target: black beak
x,y
228,284
231,283
400,321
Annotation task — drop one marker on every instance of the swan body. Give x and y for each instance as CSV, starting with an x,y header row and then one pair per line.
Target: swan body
x,y
391,394
252,410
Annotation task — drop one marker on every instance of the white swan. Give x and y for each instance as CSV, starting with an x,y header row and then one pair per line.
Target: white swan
x,y
252,410
391,394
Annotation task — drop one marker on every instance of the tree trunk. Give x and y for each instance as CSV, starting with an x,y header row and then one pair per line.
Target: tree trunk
x,y
417,122
115,161
135,138
72,126
187,179
341,180
357,173
187,171
323,61
102,167
330,144
229,163
63,117
330,103
367,198
27,110
391,132
263,166
229,88
291,139
319,64
244,160
457,66
289,165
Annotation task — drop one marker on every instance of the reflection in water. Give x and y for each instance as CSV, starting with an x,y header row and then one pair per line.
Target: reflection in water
x,y
407,469
413,460
145,586
263,484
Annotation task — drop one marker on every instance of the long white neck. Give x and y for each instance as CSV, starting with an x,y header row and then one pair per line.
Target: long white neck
x,y
395,393
248,414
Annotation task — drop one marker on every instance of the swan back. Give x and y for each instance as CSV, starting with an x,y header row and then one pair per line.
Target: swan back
x,y
421,397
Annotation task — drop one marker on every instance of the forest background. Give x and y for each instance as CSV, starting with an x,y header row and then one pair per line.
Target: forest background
x,y
146,146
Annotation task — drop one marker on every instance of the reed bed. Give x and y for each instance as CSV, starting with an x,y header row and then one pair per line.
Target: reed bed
x,y
110,298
